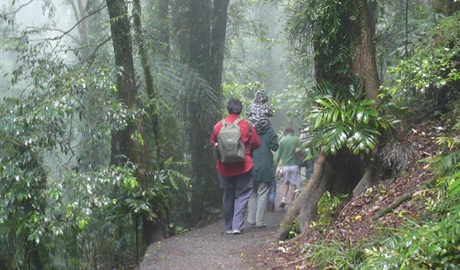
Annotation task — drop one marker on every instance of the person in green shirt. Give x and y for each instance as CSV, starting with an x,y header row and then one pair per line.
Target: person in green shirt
x,y
288,156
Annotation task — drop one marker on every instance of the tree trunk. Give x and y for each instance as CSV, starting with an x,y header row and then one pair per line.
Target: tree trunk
x,y
122,145
343,172
153,230
205,54
306,201
364,64
164,37
337,174
369,175
149,86
218,33
123,148
219,30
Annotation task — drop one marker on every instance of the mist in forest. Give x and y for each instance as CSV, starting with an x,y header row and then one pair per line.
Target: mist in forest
x,y
52,22
57,21
273,52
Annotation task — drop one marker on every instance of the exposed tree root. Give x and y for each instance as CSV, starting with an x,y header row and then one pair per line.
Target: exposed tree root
x,y
307,198
287,264
393,205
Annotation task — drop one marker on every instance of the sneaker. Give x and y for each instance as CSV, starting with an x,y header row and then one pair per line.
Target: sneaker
x,y
229,232
283,203
261,225
251,223
236,232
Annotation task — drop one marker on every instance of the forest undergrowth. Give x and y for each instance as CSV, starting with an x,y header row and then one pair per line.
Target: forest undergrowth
x,y
359,225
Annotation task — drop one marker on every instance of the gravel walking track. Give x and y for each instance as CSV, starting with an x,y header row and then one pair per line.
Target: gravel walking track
x,y
209,248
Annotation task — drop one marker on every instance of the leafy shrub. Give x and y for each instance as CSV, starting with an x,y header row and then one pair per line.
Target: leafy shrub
x,y
331,254
345,118
433,245
327,205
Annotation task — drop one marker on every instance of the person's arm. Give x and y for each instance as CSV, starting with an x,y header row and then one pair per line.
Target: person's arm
x,y
270,111
299,142
274,142
266,110
254,140
276,159
213,138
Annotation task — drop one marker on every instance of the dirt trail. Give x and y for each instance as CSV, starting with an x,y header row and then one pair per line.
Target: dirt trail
x,y
209,248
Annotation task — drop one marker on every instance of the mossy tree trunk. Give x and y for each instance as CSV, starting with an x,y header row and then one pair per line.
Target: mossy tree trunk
x,y
123,147
343,172
364,64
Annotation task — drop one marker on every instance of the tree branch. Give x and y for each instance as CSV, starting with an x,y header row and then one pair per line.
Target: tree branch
x,y
13,13
67,32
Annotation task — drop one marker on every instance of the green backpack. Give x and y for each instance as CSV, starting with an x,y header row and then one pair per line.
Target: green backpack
x,y
231,148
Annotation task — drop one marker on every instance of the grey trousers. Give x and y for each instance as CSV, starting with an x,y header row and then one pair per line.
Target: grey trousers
x,y
236,191
258,203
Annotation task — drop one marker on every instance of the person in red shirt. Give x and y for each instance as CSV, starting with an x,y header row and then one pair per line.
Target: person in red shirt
x,y
235,179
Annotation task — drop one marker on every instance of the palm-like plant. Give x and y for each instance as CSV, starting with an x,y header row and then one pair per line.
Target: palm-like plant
x,y
344,118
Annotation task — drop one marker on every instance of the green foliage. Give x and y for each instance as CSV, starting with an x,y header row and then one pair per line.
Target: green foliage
x,y
74,216
431,243
294,231
64,119
331,254
102,209
397,27
417,245
244,92
293,100
327,205
321,23
433,63
452,120
57,213
31,130
180,87
345,118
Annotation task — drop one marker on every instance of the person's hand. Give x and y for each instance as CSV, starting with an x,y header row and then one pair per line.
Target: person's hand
x,y
279,174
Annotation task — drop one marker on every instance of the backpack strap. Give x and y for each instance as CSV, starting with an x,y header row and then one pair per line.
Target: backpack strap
x,y
248,144
237,121
223,122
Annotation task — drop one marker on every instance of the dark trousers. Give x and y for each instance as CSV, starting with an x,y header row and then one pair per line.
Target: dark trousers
x,y
236,191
